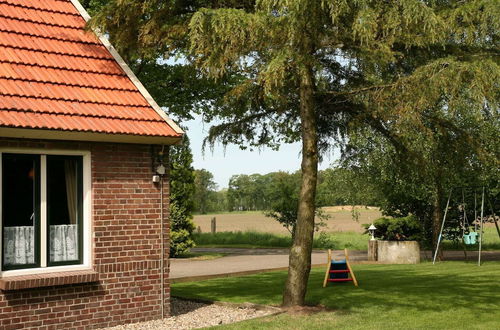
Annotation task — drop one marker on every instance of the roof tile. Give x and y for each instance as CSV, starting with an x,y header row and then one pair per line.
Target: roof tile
x,y
31,14
56,75
48,5
24,104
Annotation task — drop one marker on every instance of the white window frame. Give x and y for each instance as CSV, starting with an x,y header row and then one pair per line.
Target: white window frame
x,y
87,211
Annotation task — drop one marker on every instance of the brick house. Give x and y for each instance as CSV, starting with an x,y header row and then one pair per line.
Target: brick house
x,y
84,193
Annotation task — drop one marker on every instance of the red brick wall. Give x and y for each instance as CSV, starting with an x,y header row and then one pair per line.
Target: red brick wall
x,y
126,248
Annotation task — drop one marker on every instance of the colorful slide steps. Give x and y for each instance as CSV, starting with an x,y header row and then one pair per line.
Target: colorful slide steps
x,y
339,271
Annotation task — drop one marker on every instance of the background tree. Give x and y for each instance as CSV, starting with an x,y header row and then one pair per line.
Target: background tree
x,y
204,191
283,198
220,201
314,71
181,198
347,186
461,149
249,192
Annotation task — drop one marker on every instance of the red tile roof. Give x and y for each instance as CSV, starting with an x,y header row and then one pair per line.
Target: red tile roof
x,y
54,75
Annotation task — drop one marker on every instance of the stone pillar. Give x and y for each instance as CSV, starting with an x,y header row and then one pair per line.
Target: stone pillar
x,y
372,250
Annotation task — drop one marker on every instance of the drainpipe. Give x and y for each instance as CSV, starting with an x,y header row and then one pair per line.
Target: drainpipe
x,y
162,260
159,177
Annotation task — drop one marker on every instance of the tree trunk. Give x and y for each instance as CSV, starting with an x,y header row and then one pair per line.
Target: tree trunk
x,y
300,253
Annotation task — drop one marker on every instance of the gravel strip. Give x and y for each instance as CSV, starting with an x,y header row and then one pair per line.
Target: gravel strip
x,y
191,315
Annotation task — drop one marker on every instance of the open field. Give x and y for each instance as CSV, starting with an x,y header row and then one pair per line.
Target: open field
x,y
341,219
254,230
448,295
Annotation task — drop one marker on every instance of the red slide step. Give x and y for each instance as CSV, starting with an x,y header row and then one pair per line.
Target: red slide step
x,y
339,271
339,279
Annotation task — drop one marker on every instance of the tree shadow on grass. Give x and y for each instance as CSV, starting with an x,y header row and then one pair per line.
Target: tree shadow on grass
x,y
265,288
424,287
443,287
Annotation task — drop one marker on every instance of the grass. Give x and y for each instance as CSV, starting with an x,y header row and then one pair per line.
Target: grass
x,y
491,242
253,239
335,240
448,295
227,212
198,256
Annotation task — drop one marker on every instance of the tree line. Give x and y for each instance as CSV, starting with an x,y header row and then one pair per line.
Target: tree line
x,y
262,192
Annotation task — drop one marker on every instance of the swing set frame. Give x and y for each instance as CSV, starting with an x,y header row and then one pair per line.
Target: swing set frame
x,y
481,223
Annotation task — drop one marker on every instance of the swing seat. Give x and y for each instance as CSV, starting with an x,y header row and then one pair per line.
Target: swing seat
x,y
470,238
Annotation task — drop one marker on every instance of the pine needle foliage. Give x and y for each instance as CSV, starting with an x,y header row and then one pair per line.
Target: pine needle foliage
x,y
373,61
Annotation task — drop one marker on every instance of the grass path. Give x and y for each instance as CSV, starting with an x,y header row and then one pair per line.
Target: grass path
x,y
449,295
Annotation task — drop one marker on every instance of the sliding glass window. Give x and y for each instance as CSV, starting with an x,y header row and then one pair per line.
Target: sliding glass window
x,y
42,211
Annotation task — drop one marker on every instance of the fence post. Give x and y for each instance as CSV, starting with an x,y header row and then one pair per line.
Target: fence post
x,y
214,225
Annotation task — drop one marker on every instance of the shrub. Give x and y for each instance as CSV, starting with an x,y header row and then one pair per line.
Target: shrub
x,y
239,238
325,241
397,229
180,242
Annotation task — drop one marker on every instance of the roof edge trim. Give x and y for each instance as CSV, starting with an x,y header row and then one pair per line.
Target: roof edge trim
x,y
47,134
128,71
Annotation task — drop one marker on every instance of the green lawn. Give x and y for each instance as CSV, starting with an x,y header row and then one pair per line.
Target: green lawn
x,y
201,256
491,242
448,295
228,212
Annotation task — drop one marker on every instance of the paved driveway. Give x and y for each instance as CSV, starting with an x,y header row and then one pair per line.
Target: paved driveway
x,y
244,261
251,261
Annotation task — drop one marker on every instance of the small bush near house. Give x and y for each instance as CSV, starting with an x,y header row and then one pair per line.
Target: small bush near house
x,y
180,242
181,205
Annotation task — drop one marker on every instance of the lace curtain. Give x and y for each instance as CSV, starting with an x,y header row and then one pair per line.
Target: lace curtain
x,y
19,244
63,243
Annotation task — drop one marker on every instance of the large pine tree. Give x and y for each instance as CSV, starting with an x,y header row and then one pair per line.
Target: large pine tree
x,y
314,70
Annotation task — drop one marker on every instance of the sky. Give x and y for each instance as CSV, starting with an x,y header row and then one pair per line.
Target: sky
x,y
224,163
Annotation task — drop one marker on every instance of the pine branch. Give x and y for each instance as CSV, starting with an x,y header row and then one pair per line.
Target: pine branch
x,y
218,131
361,90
